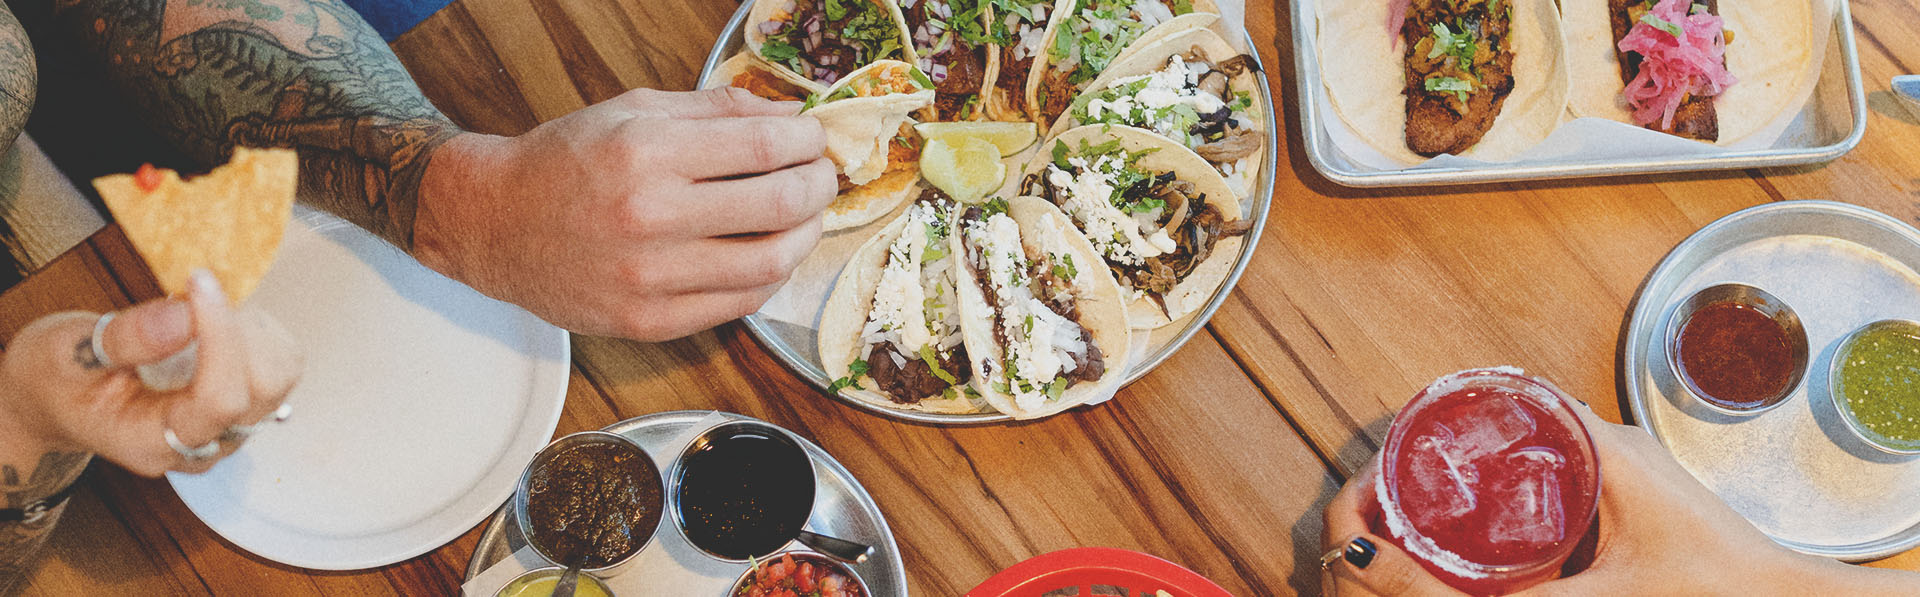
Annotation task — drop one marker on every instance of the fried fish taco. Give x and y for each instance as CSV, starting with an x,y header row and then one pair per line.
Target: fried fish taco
x,y
1045,327
1485,79
1019,32
891,329
870,138
1087,36
1161,218
1698,69
1192,88
825,40
953,45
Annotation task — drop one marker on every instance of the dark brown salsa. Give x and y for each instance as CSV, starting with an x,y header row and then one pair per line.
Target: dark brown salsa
x,y
599,499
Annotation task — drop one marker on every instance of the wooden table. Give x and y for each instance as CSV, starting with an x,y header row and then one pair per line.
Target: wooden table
x,y
1220,459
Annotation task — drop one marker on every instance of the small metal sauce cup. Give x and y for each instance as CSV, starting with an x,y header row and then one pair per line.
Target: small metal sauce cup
x,y
1835,392
551,571
731,429
1766,304
520,495
801,555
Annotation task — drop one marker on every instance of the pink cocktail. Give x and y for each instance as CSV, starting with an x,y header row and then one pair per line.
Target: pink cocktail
x,y
1489,480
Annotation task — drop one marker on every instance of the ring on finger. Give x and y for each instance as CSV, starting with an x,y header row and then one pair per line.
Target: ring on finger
x,y
191,454
1327,559
91,352
239,433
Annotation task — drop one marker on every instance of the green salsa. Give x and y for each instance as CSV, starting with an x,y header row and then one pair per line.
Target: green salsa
x,y
1879,378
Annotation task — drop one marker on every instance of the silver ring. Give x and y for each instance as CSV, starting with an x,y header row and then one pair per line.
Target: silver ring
x,y
1327,559
280,415
98,344
191,454
239,433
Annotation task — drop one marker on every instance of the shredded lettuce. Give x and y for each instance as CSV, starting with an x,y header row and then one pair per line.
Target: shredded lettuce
x,y
1457,86
933,362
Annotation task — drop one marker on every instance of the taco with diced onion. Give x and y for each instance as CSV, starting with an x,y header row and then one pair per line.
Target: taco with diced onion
x,y
1019,33
1044,325
1087,36
1485,79
867,117
749,72
825,40
1161,217
891,330
1192,88
952,41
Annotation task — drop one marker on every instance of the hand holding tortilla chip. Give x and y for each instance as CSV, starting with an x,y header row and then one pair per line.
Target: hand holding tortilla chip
x,y
228,221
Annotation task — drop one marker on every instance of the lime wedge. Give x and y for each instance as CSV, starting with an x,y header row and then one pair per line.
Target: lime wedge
x,y
1009,137
967,170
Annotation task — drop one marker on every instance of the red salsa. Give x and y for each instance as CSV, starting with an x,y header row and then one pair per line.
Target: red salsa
x,y
1735,356
808,577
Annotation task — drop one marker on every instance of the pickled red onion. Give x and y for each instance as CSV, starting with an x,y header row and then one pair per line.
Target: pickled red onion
x,y
1671,68
1396,16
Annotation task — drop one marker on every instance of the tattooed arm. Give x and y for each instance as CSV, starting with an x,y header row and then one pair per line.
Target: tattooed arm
x,y
30,472
212,74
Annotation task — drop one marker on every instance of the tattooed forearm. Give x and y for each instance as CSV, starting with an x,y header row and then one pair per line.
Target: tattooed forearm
x,y
307,74
23,483
18,79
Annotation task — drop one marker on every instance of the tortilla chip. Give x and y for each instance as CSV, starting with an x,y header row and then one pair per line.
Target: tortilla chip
x,y
228,221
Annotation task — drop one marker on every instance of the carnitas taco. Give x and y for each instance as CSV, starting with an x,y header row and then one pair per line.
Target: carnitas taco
x,y
1019,31
951,41
1700,69
1087,36
1485,79
1044,326
891,331
870,138
825,40
749,72
1192,88
1161,218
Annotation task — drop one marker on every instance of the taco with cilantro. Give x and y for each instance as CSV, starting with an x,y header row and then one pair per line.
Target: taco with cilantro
x,y
890,332
953,44
868,120
1087,36
749,72
825,40
1162,219
1044,326
1192,88
1018,30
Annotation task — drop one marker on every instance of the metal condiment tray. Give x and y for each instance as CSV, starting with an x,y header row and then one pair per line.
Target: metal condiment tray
x,y
1842,66
797,352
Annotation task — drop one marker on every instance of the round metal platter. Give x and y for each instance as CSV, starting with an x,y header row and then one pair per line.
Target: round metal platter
x,y
794,345
1795,471
842,508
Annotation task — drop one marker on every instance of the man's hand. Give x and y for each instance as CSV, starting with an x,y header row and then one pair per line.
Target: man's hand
x,y
649,216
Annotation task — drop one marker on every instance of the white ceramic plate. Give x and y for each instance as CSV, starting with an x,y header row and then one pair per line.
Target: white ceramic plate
x,y
421,402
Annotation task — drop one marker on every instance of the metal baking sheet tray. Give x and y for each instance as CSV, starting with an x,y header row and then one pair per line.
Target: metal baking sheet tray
x,y
1836,114
842,508
1795,471
794,345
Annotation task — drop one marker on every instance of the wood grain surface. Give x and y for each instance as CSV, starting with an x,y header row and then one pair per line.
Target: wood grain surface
x,y
1219,460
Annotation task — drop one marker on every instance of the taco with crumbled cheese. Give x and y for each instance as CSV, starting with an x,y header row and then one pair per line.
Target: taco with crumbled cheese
x,y
825,40
1087,36
1161,217
890,332
867,117
1192,88
1044,326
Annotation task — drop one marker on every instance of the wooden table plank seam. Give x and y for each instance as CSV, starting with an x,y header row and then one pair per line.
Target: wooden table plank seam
x,y
1271,397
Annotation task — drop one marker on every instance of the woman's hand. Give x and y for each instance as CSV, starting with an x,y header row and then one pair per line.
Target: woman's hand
x,y
1660,532
650,216
54,396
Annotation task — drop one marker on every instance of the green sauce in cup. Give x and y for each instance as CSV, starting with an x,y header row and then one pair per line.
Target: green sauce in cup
x,y
1878,379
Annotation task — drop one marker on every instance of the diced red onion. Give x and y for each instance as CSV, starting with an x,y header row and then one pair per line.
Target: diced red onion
x,y
770,27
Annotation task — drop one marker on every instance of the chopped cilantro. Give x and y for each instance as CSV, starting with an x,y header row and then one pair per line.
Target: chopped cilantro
x,y
835,9
995,205
1662,24
1064,268
854,372
920,78
1242,101
1145,204
1460,45
1060,155
1054,389
778,50
1181,7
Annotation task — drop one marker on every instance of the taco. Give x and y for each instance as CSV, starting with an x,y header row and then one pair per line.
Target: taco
x,y
1683,70
1192,88
749,72
951,40
891,329
1041,320
1162,218
825,40
1485,79
1019,31
870,139
1084,40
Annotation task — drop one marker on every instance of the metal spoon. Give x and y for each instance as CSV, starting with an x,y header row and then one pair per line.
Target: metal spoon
x,y
569,579
1908,88
836,548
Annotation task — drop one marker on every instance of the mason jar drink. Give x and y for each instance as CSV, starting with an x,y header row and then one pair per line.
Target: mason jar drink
x,y
1489,480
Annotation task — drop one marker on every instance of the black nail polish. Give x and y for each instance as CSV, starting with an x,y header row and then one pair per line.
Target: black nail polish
x,y
1360,552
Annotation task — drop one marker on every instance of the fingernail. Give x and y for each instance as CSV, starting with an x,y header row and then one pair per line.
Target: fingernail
x,y
204,282
171,323
1360,552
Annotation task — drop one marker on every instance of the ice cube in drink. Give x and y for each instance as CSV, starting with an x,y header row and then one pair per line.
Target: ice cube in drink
x,y
1489,480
